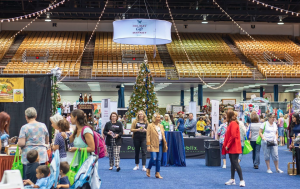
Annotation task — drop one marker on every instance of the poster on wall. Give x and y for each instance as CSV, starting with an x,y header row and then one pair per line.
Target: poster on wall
x,y
97,109
215,116
12,89
105,107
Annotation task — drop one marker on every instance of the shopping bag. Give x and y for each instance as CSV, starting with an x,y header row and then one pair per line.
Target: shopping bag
x,y
285,138
258,140
83,157
285,125
73,170
247,147
17,164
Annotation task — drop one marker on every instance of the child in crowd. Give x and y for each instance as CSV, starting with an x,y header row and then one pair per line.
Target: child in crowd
x,y
64,180
200,126
42,172
33,159
59,143
208,128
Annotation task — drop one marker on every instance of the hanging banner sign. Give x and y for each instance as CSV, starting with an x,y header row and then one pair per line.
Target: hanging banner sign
x,y
215,116
142,32
11,89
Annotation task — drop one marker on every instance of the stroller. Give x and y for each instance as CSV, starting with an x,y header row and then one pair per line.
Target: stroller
x,y
54,171
87,177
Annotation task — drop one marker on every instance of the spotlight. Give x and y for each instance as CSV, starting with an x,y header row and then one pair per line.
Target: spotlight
x,y
48,18
204,19
280,21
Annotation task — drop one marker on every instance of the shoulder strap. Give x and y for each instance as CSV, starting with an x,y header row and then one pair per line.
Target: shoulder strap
x,y
82,135
264,128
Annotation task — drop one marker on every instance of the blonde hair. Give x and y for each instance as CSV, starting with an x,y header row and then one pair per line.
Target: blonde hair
x,y
145,117
169,119
285,116
280,115
154,117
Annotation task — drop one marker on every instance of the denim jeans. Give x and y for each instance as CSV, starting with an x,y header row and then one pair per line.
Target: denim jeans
x,y
241,155
270,151
255,153
156,158
222,156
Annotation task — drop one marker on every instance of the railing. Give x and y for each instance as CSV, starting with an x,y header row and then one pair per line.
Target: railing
x,y
211,62
278,63
112,61
267,56
288,57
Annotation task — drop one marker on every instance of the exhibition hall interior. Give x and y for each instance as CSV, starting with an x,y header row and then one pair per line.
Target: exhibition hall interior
x,y
109,93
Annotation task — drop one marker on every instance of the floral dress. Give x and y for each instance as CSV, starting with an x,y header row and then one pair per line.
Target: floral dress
x,y
222,131
35,136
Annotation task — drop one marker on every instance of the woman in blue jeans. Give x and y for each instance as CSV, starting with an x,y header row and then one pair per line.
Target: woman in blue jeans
x,y
156,144
254,133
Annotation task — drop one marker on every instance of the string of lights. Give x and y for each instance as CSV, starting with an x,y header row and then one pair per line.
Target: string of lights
x,y
79,58
267,52
38,15
40,12
186,54
274,8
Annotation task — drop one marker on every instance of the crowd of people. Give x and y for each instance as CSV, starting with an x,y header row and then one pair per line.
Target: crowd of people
x,y
74,133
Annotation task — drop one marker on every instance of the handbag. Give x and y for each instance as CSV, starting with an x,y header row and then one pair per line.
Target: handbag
x,y
258,140
17,164
73,170
271,143
247,147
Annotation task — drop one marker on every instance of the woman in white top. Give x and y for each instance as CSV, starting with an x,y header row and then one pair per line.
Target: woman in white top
x,y
254,133
269,135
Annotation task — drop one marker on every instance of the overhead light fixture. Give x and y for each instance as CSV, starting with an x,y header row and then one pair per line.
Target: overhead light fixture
x,y
129,6
280,21
204,19
197,5
48,18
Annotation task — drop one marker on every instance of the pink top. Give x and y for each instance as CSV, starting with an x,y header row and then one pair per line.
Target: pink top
x,y
281,122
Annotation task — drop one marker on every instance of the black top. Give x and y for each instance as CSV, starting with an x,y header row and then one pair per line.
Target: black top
x,y
140,134
64,180
117,128
31,171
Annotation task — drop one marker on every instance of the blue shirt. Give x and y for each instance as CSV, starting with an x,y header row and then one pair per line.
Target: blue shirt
x,y
181,122
64,180
190,125
42,183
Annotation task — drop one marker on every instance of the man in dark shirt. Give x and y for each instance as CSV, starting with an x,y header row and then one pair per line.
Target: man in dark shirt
x,y
30,172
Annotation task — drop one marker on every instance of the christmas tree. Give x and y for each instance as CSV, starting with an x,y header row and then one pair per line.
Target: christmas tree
x,y
143,96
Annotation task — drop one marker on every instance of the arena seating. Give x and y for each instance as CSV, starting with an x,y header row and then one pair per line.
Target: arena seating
x,y
108,58
42,68
278,45
279,71
62,46
210,55
4,36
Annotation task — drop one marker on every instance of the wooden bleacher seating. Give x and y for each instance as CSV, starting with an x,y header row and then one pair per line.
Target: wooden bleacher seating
x,y
4,36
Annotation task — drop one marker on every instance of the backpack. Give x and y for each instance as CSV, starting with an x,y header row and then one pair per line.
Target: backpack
x,y
100,148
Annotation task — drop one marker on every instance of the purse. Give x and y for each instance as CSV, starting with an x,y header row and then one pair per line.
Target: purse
x,y
17,164
271,143
258,140
247,147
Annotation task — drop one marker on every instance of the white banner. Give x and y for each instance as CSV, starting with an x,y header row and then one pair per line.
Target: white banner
x,y
193,109
105,112
142,32
114,106
215,116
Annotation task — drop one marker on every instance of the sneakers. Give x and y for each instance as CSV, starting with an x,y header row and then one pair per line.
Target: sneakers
x,y
230,182
279,171
224,167
144,169
269,171
135,168
242,183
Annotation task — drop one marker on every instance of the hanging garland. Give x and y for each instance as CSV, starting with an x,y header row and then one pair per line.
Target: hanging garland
x,y
54,91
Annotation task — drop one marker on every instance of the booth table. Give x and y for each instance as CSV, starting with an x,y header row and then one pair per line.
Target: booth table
x,y
6,162
176,154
